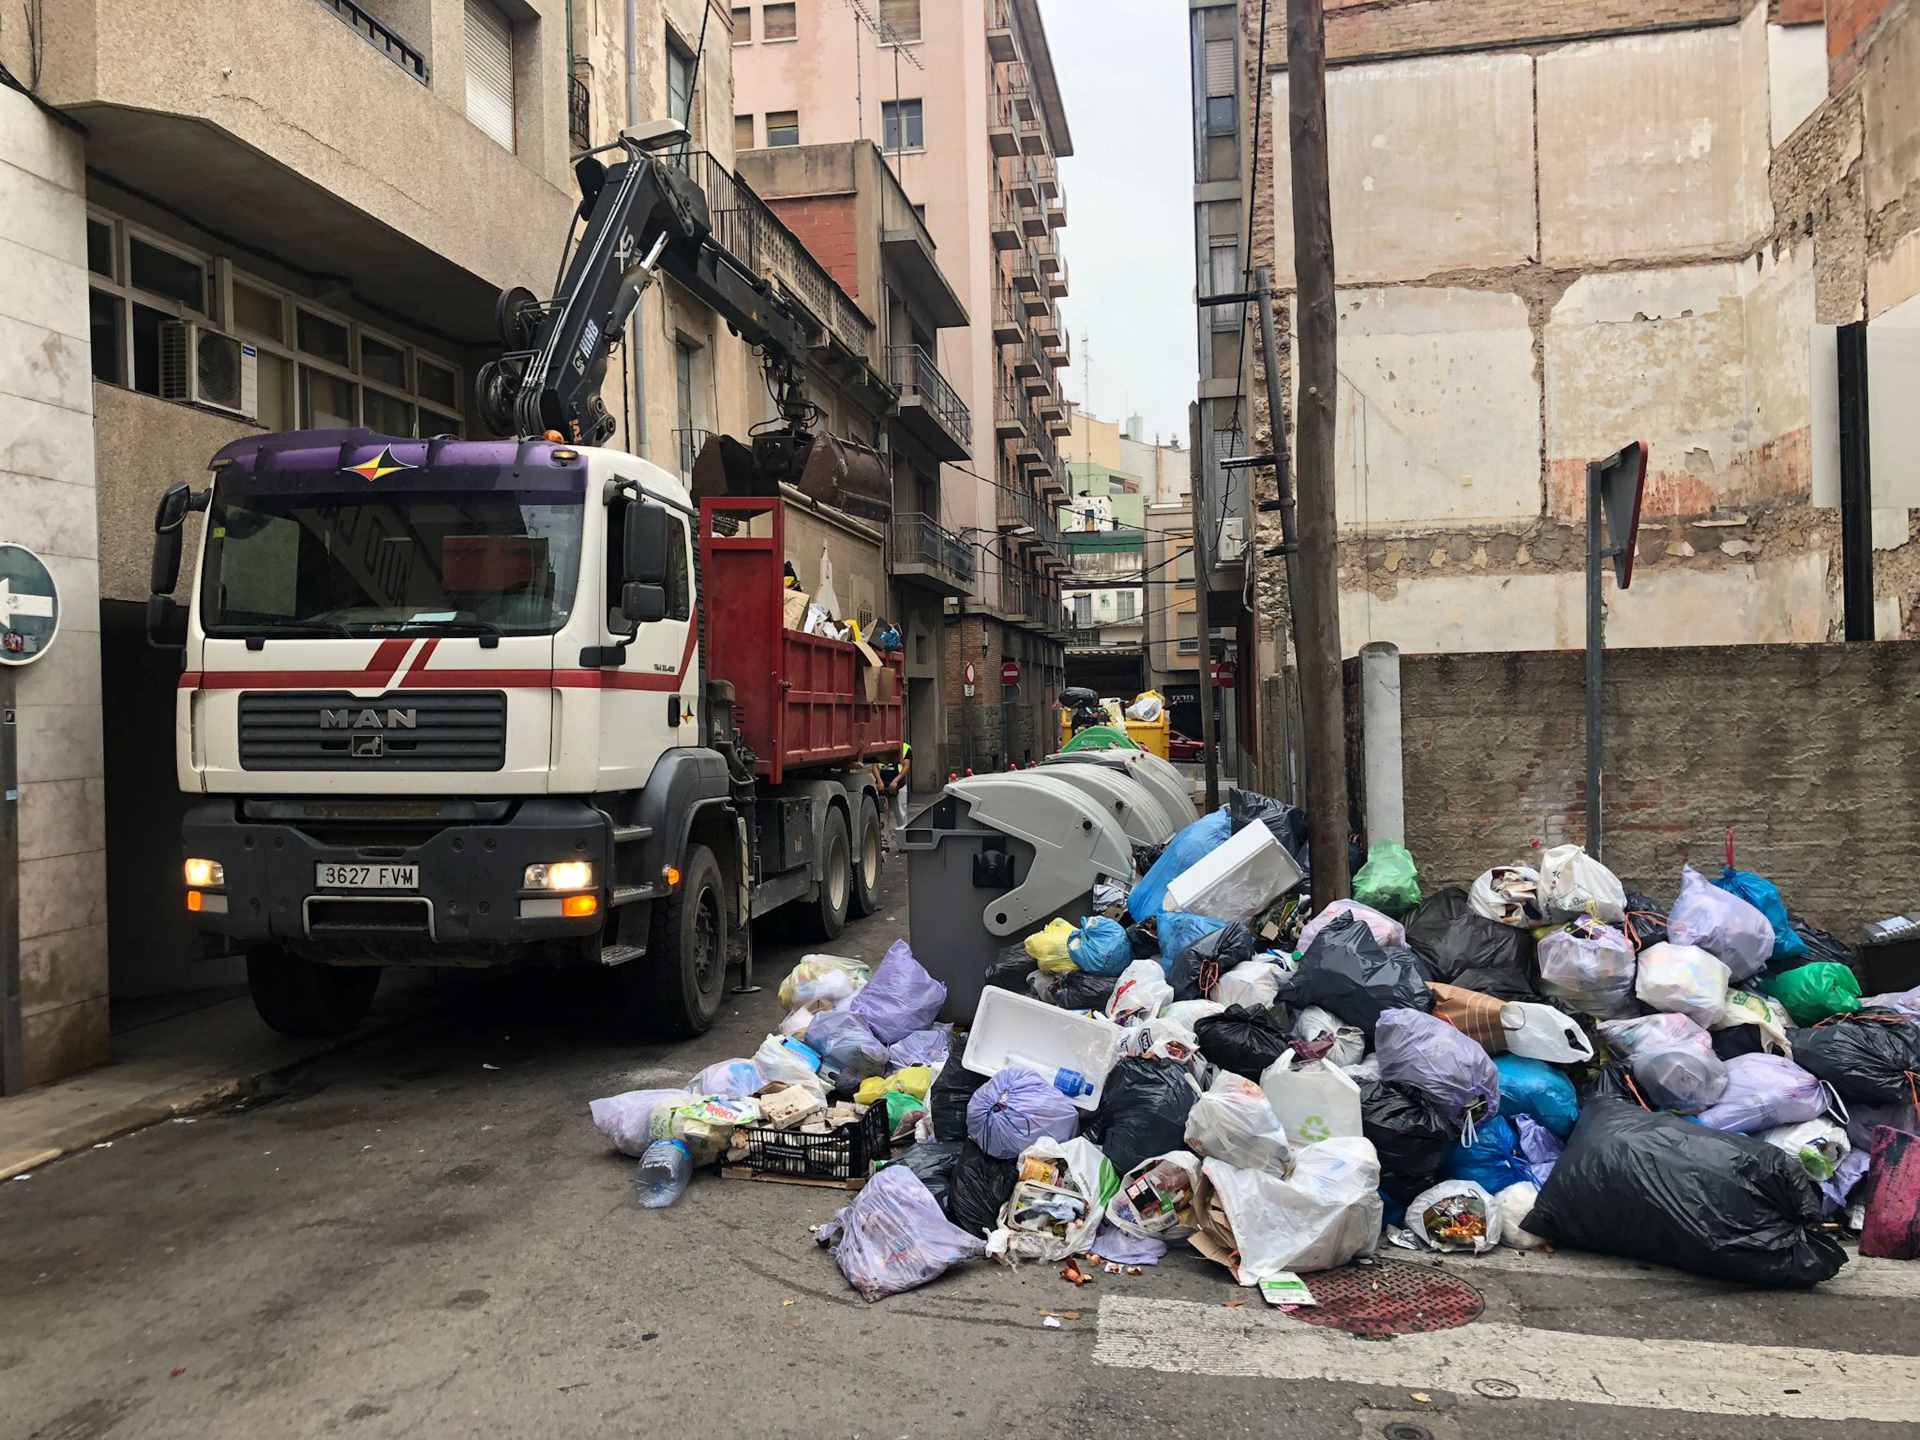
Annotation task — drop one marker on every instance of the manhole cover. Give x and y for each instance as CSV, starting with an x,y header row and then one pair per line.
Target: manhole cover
x,y
1406,1432
1497,1389
1390,1298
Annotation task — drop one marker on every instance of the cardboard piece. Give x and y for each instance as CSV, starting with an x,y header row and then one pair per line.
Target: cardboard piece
x,y
876,678
796,609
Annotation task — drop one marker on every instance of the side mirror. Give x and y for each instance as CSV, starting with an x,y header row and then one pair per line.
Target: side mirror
x,y
166,622
169,536
642,604
643,545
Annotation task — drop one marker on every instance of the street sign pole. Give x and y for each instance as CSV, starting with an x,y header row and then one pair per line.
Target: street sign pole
x,y
12,1056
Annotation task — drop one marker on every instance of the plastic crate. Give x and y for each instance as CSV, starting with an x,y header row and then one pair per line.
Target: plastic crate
x,y
849,1153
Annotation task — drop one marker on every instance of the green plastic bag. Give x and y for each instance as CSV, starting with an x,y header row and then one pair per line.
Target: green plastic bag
x,y
1389,881
1099,737
1813,992
902,1110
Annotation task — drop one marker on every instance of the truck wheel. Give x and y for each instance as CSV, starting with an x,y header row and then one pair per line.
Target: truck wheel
x,y
864,899
686,961
827,916
304,997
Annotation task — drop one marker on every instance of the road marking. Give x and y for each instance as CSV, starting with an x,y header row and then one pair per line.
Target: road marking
x,y
1860,1278
1697,1376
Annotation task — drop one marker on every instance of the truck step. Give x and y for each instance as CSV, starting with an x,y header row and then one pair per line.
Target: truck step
x,y
611,955
627,894
631,834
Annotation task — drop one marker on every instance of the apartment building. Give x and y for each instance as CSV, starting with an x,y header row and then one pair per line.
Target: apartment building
x,y
962,100
1561,228
228,218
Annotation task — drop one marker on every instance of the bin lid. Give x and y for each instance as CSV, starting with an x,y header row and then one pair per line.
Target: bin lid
x,y
1076,843
1139,811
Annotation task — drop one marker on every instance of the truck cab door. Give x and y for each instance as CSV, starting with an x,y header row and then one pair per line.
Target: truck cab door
x,y
646,702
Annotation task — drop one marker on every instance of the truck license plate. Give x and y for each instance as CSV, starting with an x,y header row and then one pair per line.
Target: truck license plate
x,y
367,877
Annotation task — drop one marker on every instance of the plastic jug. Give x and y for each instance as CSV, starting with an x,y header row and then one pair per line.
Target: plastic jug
x,y
1318,1101
1540,1032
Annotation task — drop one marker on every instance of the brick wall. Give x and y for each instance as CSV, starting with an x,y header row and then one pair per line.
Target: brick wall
x,y
1851,28
825,225
1806,750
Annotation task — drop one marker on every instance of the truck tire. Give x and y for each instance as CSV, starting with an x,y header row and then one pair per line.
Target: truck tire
x,y
864,898
826,916
686,965
304,997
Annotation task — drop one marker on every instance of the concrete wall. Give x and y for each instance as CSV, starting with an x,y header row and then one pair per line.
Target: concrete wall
x,y
47,504
1805,750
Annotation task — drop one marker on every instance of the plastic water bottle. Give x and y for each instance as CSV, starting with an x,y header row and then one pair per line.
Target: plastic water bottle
x,y
1070,1083
665,1169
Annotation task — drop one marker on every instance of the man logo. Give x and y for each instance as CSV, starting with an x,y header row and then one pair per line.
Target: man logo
x,y
346,718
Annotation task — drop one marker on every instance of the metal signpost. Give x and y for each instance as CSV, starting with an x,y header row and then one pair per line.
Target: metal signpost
x,y
1614,487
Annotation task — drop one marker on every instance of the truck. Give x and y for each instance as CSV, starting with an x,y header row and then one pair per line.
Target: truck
x,y
532,700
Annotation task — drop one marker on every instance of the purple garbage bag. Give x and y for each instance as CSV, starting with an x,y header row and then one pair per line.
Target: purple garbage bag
x,y
848,1050
1672,1060
922,1047
1722,924
900,998
1014,1109
1764,1091
894,1238
1423,1051
1539,1147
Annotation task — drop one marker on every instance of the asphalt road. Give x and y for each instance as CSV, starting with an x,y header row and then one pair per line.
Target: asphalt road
x,y
423,1235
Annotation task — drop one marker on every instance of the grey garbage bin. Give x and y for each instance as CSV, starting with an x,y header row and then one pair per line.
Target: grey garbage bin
x,y
991,861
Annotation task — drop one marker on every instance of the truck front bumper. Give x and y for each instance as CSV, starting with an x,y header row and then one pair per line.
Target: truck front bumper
x,y
472,858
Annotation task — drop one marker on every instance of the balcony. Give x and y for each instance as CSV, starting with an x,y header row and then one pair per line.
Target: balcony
x,y
1026,194
579,107
924,553
1046,258
1000,42
1037,375
1012,412
387,42
1033,221
1004,219
1009,318
1015,510
1030,285
1053,480
1003,130
1056,212
1045,172
1057,281
930,408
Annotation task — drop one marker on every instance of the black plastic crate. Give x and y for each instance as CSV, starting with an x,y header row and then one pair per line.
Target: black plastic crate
x,y
849,1153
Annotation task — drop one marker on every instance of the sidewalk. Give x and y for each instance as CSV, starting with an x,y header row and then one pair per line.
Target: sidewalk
x,y
201,1049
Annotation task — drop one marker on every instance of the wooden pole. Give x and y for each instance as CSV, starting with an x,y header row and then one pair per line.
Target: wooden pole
x,y
1317,605
1202,556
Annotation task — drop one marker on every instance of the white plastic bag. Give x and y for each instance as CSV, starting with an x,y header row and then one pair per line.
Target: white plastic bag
x,y
1140,994
1684,979
779,1061
729,1079
1588,967
1155,1200
1314,1103
1516,1202
1509,894
627,1119
1722,924
797,1022
1672,1060
1764,1013
1323,1215
1349,1041
1050,1221
1573,883
1161,1039
804,983
1540,1032
1455,1215
1252,983
1191,1012
1234,1123
1146,709
823,593
1819,1145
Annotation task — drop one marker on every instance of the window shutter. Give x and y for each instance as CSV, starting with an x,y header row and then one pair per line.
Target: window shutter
x,y
489,53
902,16
1219,67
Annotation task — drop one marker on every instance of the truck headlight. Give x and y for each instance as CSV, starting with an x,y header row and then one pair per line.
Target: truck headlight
x,y
205,874
559,875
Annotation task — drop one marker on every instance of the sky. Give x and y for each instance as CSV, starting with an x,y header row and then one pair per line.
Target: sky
x,y
1128,243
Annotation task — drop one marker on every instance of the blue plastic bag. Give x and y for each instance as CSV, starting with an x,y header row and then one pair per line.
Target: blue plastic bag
x,y
1533,1087
1198,840
1764,896
1493,1161
1179,932
900,998
1100,946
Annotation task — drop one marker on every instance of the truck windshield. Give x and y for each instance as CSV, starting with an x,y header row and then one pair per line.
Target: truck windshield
x,y
492,560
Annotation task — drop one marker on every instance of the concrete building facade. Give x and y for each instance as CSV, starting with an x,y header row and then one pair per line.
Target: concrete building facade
x,y
1534,270
962,99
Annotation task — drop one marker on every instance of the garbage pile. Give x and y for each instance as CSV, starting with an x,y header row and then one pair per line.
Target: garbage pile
x,y
1541,1058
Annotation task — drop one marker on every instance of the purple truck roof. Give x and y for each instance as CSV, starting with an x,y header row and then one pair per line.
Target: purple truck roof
x,y
332,450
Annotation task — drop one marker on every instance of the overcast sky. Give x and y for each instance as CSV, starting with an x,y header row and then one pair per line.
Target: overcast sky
x,y
1129,191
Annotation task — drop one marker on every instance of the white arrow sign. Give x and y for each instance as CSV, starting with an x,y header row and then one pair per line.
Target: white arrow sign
x,y
12,604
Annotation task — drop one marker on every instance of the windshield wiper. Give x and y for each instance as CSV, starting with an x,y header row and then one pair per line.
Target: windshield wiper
x,y
280,628
488,632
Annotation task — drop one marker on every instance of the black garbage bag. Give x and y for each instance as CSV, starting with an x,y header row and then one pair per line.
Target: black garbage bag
x,y
1287,822
1187,978
1143,1111
1738,1040
1144,939
1078,990
1010,969
1821,946
1614,1081
1646,921
1242,1040
1226,947
1870,1056
1661,1188
1144,856
952,1088
1410,1131
977,1187
1460,947
1349,973
934,1161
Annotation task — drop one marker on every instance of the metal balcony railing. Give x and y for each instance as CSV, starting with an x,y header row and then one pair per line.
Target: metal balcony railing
x,y
579,108
917,539
909,367
387,41
1009,317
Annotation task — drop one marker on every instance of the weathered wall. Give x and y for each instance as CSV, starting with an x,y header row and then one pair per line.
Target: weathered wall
x,y
1805,750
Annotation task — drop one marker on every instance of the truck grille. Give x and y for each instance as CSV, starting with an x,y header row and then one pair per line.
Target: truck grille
x,y
410,730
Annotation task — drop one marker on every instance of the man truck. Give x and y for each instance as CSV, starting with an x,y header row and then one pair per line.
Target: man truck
x,y
530,700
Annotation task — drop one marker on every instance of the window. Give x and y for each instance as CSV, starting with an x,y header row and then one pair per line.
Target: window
x,y
778,22
1083,610
684,354
743,132
679,81
167,272
323,337
1223,358
1220,114
327,402
1219,57
783,127
920,213
742,25
902,17
384,362
103,331
1183,567
259,312
901,127
1128,604
1223,278
100,248
679,587
489,55
437,382
1223,157
1187,630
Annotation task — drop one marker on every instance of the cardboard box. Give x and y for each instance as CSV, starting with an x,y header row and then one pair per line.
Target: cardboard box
x,y
795,615
876,679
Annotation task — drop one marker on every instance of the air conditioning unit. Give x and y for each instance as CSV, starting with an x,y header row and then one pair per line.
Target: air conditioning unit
x,y
1233,539
204,367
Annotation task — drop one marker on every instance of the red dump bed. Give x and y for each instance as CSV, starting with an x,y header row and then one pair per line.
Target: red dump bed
x,y
800,700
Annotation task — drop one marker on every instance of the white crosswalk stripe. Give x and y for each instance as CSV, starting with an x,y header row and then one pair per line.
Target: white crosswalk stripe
x,y
1696,1376
1860,1278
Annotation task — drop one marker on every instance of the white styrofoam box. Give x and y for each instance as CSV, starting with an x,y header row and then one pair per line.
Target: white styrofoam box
x,y
1237,880
1011,1029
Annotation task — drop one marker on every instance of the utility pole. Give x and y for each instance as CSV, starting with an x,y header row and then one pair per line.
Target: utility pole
x,y
1317,603
1200,553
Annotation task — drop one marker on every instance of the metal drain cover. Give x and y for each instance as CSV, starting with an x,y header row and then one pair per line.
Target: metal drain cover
x,y
1406,1432
1389,1298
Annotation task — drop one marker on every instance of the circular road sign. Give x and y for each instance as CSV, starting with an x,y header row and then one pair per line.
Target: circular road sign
x,y
1010,672
29,606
